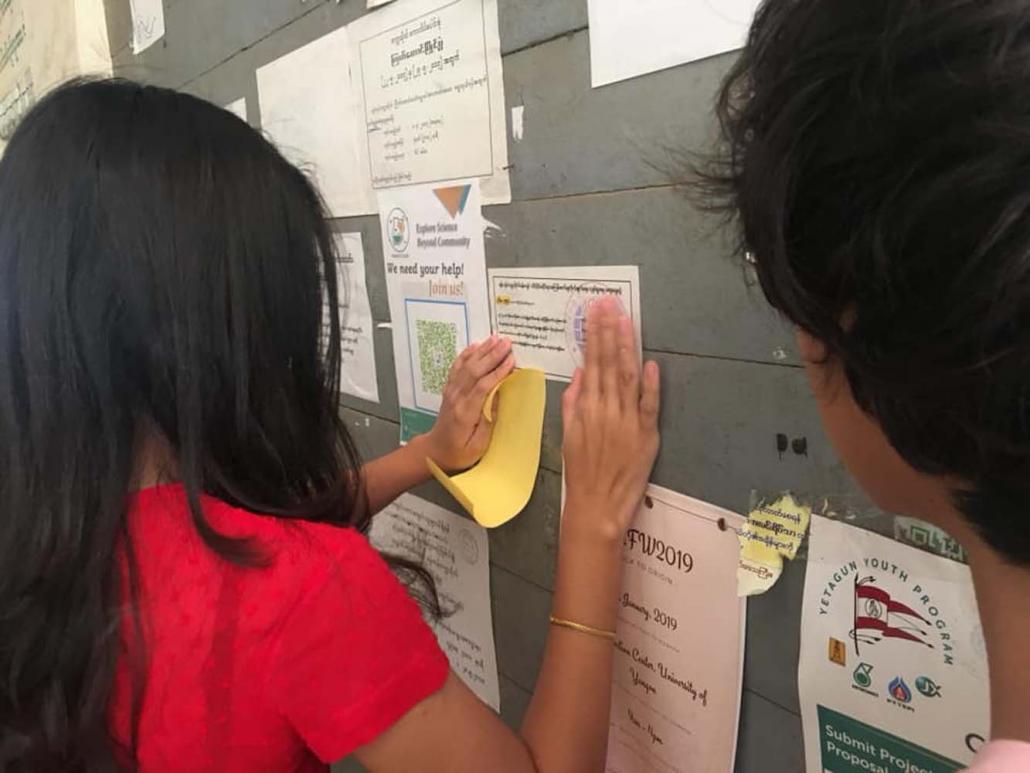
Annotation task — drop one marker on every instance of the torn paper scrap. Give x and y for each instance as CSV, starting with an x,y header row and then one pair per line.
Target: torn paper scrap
x,y
148,23
238,107
771,533
517,120
498,488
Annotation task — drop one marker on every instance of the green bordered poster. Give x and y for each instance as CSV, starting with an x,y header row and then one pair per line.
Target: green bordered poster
x,y
435,264
893,671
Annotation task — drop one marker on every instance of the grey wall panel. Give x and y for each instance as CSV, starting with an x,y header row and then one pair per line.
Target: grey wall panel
x,y
700,299
773,638
626,135
201,34
527,22
720,424
514,702
720,419
520,626
769,739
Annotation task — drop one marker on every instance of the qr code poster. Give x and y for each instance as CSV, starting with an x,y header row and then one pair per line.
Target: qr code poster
x,y
437,333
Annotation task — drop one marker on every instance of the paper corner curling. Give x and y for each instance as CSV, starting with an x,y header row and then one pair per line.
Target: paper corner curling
x,y
498,488
771,533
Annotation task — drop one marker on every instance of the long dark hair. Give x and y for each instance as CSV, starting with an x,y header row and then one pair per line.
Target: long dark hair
x,y
162,266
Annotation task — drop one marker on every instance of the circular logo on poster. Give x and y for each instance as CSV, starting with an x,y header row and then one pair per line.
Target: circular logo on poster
x,y
576,322
873,609
397,229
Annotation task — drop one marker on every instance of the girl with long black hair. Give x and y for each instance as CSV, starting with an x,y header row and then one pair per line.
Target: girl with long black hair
x,y
184,580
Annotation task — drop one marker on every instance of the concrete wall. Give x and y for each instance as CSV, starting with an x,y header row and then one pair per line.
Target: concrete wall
x,y
593,183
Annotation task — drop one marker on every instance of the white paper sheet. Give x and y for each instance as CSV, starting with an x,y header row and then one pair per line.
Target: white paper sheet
x,y
239,107
679,657
309,109
377,3
358,354
632,37
543,310
436,283
893,671
429,77
456,552
148,23
17,87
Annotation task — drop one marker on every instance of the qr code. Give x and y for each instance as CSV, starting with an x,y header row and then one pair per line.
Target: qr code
x,y
437,348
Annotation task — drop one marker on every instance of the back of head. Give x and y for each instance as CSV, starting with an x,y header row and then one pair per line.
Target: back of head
x,y
878,159
162,274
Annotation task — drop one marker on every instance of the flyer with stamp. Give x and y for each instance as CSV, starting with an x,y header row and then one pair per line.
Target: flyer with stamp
x,y
679,659
543,311
893,670
436,284
455,550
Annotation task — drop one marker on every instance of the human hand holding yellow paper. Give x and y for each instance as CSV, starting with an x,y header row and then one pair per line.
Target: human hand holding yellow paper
x,y
498,488
462,432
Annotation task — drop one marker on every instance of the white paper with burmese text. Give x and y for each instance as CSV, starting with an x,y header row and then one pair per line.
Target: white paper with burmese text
x,y
456,552
543,310
357,347
429,79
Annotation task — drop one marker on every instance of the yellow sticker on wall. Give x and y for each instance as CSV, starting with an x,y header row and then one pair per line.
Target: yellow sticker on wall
x,y
770,534
498,488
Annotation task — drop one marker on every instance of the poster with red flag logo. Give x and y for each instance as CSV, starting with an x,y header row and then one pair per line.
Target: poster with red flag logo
x,y
893,672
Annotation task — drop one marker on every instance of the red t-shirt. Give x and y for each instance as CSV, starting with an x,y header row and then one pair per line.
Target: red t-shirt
x,y
281,668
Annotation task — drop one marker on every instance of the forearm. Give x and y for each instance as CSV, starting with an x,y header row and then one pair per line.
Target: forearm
x,y
387,477
566,726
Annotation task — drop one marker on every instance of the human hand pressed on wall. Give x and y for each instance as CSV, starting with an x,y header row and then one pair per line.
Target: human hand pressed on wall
x,y
610,416
461,434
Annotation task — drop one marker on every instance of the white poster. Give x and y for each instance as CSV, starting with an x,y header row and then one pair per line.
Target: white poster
x,y
456,552
148,23
632,37
677,676
17,88
893,672
357,346
543,311
436,283
310,111
429,76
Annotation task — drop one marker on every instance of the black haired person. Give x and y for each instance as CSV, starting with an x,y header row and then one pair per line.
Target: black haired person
x,y
184,580
878,161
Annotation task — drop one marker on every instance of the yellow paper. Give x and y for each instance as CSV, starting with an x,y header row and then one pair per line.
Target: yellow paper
x,y
498,488
770,534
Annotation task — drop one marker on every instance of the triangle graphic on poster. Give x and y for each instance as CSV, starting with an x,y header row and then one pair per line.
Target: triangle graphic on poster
x,y
454,198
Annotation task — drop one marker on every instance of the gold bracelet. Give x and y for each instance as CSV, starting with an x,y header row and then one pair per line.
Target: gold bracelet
x,y
583,628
